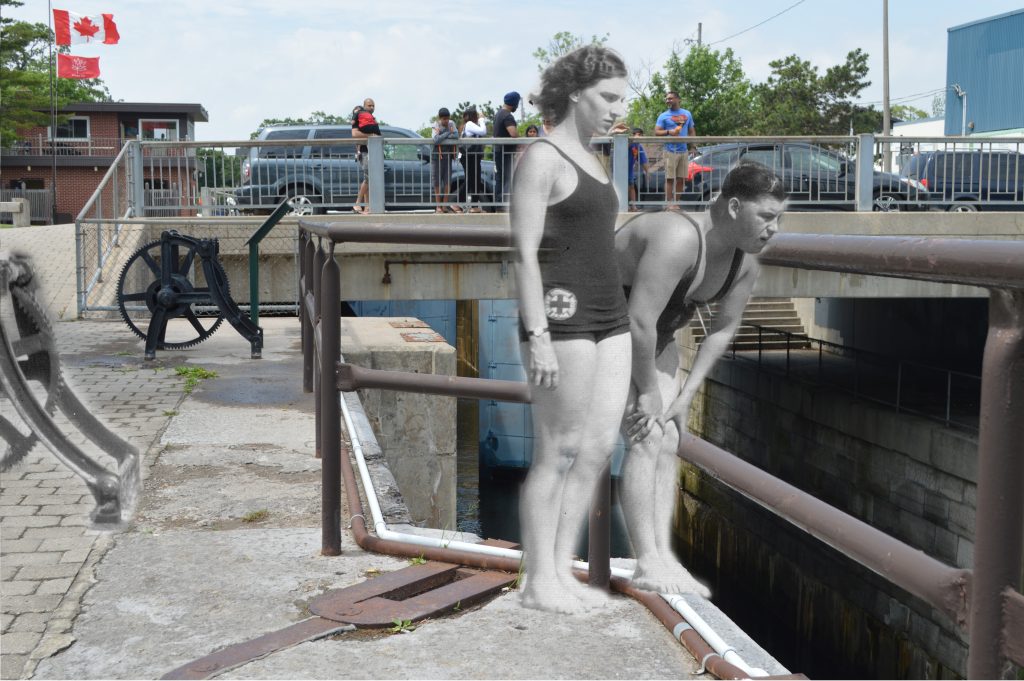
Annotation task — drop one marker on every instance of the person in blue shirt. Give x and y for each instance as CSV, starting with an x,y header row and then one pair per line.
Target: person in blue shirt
x,y
637,164
675,122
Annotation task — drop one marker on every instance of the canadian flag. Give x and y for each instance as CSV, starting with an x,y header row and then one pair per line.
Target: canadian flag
x,y
70,66
73,29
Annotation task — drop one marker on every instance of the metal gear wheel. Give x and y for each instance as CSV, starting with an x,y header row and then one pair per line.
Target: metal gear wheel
x,y
170,289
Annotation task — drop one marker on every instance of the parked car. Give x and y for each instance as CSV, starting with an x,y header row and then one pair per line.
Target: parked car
x,y
816,178
315,176
967,181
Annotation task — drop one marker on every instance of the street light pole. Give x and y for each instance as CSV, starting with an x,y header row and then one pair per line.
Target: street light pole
x,y
962,94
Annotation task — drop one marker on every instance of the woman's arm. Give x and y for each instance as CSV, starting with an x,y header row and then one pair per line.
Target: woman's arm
x,y
534,181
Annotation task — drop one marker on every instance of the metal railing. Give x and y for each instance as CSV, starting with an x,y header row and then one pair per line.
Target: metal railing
x,y
973,599
42,145
937,394
820,173
40,203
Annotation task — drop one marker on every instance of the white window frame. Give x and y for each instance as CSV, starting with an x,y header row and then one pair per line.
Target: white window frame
x,y
177,127
88,130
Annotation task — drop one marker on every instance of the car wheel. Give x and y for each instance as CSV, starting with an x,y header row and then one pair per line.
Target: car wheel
x,y
963,207
886,203
301,203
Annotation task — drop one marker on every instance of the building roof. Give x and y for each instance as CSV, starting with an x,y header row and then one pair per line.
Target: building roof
x,y
985,20
195,111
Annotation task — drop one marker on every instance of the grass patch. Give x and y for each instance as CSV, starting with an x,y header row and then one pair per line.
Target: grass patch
x,y
418,560
401,626
256,516
193,375
170,412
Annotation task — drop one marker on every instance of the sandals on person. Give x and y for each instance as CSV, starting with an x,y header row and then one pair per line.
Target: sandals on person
x,y
359,210
454,209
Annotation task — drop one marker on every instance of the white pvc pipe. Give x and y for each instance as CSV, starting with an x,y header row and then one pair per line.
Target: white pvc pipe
x,y
678,603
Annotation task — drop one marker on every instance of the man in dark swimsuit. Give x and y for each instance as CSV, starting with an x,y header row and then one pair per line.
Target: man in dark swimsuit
x,y
669,263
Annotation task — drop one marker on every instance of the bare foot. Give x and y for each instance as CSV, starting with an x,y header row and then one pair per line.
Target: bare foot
x,y
550,597
668,578
592,597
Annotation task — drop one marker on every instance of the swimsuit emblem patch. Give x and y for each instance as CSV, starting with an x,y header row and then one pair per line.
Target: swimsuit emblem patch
x,y
560,304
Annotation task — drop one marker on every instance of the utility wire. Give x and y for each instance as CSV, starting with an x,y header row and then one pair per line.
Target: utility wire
x,y
760,24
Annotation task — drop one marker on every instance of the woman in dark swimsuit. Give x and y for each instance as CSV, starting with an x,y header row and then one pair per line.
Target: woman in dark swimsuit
x,y
574,323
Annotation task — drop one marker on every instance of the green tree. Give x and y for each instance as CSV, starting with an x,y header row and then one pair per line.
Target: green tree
x,y
905,112
25,78
711,85
796,100
561,44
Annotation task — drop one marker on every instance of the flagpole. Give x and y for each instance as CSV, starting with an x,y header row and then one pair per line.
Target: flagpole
x,y
53,119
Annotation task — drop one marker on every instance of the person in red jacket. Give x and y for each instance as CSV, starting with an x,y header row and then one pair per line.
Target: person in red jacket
x,y
364,125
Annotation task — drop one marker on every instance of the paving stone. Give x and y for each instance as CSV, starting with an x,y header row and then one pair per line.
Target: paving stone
x,y
7,572
5,621
22,546
49,558
54,586
51,644
31,521
20,642
14,511
49,571
31,621
54,532
75,556
59,624
75,521
52,499
68,509
20,604
67,543
11,666
10,533
52,475
18,484
18,588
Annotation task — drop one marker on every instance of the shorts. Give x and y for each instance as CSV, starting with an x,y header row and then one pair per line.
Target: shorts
x,y
362,158
441,170
597,336
677,165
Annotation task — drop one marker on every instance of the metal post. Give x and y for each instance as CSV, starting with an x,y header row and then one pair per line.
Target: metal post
x,y
330,412
254,282
306,250
138,185
599,547
949,394
375,170
864,196
620,170
999,524
318,267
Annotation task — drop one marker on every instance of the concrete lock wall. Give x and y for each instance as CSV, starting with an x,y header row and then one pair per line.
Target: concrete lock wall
x,y
415,431
906,476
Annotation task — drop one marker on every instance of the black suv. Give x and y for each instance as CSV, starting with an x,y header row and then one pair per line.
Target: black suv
x,y
967,181
316,171
816,178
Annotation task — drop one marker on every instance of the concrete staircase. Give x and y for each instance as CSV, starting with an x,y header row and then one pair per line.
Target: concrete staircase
x,y
775,316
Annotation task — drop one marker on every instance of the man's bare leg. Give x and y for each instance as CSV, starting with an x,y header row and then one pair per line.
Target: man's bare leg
x,y
649,488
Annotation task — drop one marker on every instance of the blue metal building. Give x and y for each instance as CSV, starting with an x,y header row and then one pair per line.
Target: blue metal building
x,y
985,66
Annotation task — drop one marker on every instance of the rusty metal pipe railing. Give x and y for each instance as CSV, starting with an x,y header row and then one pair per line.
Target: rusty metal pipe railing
x,y
999,521
940,585
989,263
997,265
351,377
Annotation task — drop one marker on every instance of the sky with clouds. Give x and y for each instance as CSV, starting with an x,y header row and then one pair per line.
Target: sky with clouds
x,y
248,60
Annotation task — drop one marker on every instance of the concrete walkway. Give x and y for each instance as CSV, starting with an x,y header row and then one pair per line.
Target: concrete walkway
x,y
225,543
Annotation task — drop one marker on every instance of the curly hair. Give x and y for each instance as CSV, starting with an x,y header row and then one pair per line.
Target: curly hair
x,y
573,72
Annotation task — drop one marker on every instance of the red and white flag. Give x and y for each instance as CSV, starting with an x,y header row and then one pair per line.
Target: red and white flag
x,y
74,29
70,66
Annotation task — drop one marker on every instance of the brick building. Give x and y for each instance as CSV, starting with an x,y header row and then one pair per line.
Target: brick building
x,y
85,146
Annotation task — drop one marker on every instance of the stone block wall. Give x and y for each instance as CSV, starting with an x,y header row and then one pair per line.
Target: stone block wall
x,y
415,431
906,476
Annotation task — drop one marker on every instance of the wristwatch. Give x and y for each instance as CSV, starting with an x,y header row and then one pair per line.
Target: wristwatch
x,y
537,332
